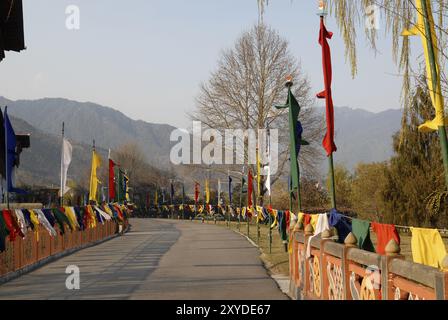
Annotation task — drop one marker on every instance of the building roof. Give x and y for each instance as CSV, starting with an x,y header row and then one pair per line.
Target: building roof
x,y
11,27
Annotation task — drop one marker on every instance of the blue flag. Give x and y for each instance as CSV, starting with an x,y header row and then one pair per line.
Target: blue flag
x,y
230,190
12,156
299,137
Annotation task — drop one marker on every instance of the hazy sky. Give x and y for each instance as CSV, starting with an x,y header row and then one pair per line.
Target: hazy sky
x,y
147,58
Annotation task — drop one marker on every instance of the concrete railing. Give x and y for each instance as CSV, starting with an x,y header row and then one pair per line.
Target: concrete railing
x,y
336,271
38,246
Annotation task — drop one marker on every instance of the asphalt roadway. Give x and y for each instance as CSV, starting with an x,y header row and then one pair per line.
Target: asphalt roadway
x,y
157,259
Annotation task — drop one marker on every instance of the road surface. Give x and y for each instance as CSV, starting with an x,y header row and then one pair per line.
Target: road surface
x,y
157,259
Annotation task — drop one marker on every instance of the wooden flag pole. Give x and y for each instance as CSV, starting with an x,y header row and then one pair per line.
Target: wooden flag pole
x,y
6,159
241,201
332,182
270,224
230,202
183,200
431,56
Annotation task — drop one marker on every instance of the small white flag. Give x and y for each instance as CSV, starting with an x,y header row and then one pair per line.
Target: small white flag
x,y
66,159
268,179
267,168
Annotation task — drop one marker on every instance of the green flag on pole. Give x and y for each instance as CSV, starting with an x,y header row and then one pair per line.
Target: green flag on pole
x,y
122,190
294,111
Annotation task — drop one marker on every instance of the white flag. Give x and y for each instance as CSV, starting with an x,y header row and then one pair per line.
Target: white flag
x,y
66,158
268,179
267,168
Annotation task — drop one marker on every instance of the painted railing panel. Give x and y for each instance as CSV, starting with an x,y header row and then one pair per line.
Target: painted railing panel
x,y
38,245
343,272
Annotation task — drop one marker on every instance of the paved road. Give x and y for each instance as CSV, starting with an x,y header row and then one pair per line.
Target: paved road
x,y
157,259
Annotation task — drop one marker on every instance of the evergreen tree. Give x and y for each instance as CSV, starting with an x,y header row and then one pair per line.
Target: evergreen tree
x,y
415,175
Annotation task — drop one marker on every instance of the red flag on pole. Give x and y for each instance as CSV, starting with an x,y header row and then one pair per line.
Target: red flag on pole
x,y
328,142
196,192
250,187
111,179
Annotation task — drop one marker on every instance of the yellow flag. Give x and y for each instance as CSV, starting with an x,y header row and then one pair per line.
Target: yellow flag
x,y
427,247
275,222
429,39
126,179
314,218
260,216
156,198
96,163
243,212
207,193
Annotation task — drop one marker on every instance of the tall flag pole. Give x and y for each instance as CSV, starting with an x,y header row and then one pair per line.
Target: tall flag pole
x,y
229,209
259,186
258,199
295,140
172,199
328,142
66,159
426,29
61,192
3,153
183,200
250,190
241,199
156,199
290,192
6,159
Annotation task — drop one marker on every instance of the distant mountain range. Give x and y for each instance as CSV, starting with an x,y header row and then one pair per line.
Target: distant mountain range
x,y
40,165
361,136
87,121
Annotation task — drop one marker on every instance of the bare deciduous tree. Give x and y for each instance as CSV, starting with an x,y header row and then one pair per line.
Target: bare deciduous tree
x,y
130,157
249,82
144,178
